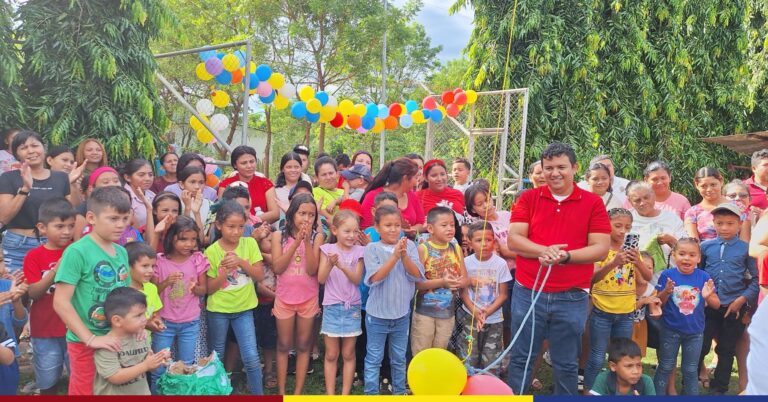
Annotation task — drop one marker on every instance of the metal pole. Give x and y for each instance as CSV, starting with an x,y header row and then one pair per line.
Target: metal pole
x,y
382,140
247,81
523,129
201,49
192,110
503,155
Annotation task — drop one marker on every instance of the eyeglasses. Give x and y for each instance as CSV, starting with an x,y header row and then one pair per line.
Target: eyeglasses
x,y
737,196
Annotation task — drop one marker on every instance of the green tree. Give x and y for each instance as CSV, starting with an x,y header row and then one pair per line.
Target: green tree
x,y
89,72
11,105
643,80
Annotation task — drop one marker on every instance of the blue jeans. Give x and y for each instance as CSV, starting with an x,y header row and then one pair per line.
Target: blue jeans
x,y
670,341
16,247
560,318
378,330
50,358
602,327
185,334
245,333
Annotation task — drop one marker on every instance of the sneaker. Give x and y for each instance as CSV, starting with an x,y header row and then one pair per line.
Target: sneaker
x,y
385,388
547,358
580,386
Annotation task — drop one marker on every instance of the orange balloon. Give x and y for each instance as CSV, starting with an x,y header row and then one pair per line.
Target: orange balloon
x,y
354,121
237,76
211,180
390,123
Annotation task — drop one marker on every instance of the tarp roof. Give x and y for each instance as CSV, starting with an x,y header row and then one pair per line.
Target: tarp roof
x,y
742,143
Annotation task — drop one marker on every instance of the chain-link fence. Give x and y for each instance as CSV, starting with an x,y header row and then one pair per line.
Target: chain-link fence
x,y
491,135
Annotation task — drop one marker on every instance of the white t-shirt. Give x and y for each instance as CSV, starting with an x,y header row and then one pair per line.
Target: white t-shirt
x,y
648,228
757,359
486,276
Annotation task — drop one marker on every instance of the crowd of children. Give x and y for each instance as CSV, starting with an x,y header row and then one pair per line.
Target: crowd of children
x,y
122,280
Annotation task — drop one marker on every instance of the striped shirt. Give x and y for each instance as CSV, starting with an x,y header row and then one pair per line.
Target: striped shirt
x,y
391,297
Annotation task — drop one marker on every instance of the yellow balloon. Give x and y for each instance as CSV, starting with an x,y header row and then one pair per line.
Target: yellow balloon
x,y
253,67
417,116
306,93
276,80
204,136
314,105
471,96
230,62
436,372
220,99
327,113
202,73
403,109
442,110
359,110
346,107
280,102
378,126
196,124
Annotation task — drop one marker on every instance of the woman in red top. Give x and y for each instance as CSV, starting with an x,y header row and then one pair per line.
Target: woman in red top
x,y
436,192
244,161
397,177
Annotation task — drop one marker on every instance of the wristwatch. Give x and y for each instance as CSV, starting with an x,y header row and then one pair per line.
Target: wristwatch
x,y
22,192
566,259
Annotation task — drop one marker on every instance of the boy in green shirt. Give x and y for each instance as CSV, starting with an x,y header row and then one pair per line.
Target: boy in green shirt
x,y
88,270
626,371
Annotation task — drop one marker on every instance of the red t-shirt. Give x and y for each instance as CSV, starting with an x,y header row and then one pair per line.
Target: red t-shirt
x,y
257,188
559,222
43,320
757,194
449,197
413,214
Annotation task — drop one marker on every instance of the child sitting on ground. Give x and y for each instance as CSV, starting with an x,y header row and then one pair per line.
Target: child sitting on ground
x,y
626,371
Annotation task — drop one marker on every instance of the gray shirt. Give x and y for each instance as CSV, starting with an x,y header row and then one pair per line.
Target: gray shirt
x,y
391,297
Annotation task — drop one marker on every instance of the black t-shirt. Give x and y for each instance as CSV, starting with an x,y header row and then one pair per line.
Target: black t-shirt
x,y
56,185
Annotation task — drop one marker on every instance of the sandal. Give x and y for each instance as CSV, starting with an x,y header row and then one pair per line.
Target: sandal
x,y
270,381
536,385
704,381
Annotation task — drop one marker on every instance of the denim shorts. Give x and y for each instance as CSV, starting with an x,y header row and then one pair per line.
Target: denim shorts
x,y
339,322
50,358
16,246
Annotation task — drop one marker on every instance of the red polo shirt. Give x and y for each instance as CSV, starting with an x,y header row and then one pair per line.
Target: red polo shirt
x,y
559,222
757,193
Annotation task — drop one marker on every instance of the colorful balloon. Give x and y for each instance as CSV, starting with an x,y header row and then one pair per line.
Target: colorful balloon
x,y
306,93
269,98
471,96
436,115
211,180
411,105
288,90
299,110
484,384
436,371
429,103
406,121
263,72
354,121
207,54
395,110
280,102
277,80
224,77
264,89
204,107
253,81
338,120
313,117
202,73
219,122
237,76
214,66
204,136
322,96
460,99
332,102
371,110
452,110
220,99
230,62
378,126
327,114
368,122
360,109
346,107
362,130
390,122
383,112
447,97
240,56
196,124
313,106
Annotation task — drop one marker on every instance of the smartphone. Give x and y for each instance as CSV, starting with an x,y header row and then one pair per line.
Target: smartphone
x,y
631,240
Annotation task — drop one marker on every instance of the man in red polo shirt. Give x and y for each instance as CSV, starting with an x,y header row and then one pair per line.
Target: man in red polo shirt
x,y
567,228
759,180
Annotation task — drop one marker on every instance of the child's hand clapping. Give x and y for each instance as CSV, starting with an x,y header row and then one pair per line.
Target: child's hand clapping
x,y
401,249
155,360
333,259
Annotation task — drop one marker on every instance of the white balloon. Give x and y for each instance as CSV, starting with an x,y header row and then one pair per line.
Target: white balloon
x,y
332,102
204,107
219,122
288,90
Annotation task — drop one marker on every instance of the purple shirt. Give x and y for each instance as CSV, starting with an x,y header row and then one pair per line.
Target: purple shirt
x,y
338,288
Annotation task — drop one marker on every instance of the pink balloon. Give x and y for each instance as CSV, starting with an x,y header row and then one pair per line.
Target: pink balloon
x,y
210,168
264,89
429,103
460,98
361,130
483,384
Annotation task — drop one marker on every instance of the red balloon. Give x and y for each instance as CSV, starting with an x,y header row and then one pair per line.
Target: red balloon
x,y
354,121
395,110
429,103
457,90
452,110
447,97
337,120
460,99
483,384
390,123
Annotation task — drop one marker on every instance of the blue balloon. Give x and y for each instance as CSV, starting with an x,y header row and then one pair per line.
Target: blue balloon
x,y
240,55
224,77
406,121
207,54
436,115
217,172
268,99
410,106
323,97
383,112
371,110
368,122
220,55
263,72
299,110
313,117
426,113
253,81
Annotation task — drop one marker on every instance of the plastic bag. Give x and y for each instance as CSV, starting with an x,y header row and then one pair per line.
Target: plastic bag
x,y
208,379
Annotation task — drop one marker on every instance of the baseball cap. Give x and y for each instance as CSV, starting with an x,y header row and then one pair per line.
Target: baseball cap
x,y
355,171
728,207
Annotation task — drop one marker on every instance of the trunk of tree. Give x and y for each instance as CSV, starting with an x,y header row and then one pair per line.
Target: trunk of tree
x,y
268,147
307,128
321,139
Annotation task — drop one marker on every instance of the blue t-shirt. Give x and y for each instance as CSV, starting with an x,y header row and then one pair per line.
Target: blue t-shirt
x,y
684,310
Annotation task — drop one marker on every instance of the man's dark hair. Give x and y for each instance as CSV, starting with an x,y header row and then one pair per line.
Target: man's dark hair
x,y
138,249
437,212
55,208
109,197
556,149
120,300
384,195
343,160
622,347
464,162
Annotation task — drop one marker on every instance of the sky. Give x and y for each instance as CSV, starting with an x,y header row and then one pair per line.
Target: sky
x,y
450,31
